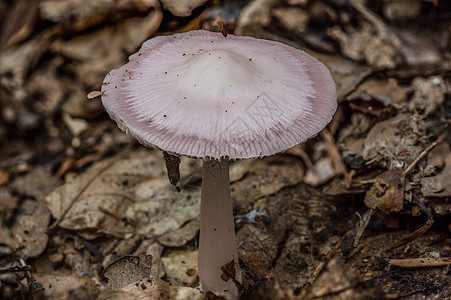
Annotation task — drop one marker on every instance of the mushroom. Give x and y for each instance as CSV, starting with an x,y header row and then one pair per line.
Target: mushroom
x,y
217,98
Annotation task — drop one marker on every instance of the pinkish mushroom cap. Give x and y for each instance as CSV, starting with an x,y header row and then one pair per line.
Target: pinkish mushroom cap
x,y
202,95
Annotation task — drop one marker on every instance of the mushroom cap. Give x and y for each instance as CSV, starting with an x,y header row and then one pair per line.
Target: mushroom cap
x,y
204,95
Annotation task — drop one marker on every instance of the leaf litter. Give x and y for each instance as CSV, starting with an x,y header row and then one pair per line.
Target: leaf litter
x,y
360,211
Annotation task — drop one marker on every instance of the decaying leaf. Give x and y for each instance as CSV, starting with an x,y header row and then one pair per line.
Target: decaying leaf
x,y
387,193
127,269
61,286
124,195
181,236
428,95
30,228
359,44
257,249
37,183
436,186
338,281
153,289
265,179
390,143
181,267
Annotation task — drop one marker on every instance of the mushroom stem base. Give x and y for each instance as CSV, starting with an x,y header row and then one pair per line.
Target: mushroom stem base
x,y
217,245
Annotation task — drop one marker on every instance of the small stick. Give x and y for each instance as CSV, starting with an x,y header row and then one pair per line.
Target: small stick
x,y
423,154
420,262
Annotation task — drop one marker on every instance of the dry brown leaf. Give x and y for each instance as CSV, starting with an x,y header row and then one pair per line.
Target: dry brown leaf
x,y
37,183
359,44
386,91
61,286
265,179
155,249
438,185
181,267
124,195
181,236
153,289
30,228
339,281
257,249
393,143
20,22
429,94
127,269
387,193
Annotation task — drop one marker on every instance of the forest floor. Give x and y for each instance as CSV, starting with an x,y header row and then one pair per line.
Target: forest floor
x,y
361,211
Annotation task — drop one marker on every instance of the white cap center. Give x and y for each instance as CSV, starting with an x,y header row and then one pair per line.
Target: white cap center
x,y
219,70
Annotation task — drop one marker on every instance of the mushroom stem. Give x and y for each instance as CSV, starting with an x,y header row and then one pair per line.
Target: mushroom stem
x,y
217,245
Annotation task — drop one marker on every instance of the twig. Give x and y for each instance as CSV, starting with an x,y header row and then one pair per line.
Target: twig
x,y
318,270
421,262
423,154
414,235
15,269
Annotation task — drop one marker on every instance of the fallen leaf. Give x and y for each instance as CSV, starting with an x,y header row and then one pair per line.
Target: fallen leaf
x,y
30,228
127,269
38,183
153,289
122,196
264,179
257,249
181,236
339,281
387,193
181,267
61,286
438,185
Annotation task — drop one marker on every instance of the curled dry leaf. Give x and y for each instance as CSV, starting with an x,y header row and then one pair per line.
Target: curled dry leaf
x,y
387,193
359,44
124,195
255,15
428,95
